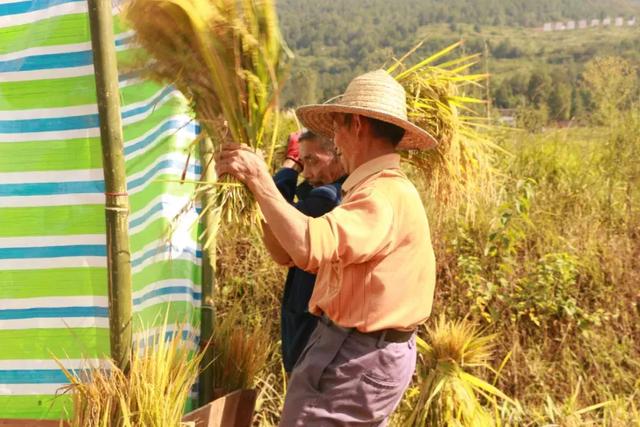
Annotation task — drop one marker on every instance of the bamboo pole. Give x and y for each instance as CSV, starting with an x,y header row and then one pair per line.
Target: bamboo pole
x,y
210,221
116,197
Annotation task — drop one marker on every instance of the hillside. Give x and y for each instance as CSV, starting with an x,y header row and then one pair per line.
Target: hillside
x,y
333,41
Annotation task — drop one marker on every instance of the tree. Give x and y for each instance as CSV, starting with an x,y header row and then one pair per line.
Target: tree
x,y
532,119
539,88
560,102
613,83
301,89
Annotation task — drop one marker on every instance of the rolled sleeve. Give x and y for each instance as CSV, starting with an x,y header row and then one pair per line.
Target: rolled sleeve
x,y
353,233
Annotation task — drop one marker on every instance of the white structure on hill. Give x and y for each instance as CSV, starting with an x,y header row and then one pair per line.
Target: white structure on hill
x,y
559,26
619,21
582,24
631,22
606,21
571,25
595,22
548,26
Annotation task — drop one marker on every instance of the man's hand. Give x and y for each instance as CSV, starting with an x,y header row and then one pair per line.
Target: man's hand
x,y
293,147
242,163
289,226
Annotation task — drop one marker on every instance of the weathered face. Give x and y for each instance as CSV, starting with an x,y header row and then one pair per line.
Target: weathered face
x,y
342,138
319,162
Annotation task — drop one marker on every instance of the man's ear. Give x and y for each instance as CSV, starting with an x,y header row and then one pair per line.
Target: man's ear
x,y
357,124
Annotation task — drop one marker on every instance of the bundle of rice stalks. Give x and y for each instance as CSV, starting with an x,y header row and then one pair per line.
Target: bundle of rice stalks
x,y
440,100
241,351
228,58
153,392
448,394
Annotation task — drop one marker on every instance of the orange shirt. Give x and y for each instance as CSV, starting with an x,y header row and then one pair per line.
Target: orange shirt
x,y
373,256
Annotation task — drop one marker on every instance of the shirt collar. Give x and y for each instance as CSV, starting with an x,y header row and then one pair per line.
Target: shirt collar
x,y
365,170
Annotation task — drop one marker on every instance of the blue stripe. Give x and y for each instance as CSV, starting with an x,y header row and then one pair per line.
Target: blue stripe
x,y
169,290
53,312
160,250
34,376
47,61
178,125
147,107
155,209
73,122
165,164
31,6
85,187
51,188
53,251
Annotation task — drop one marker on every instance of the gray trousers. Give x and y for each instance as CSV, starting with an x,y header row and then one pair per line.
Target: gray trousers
x,y
347,379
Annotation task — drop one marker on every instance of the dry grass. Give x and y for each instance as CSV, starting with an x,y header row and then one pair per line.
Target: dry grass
x,y
153,393
241,351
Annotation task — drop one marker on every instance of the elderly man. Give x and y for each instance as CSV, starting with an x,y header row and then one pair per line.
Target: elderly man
x,y
315,157
372,254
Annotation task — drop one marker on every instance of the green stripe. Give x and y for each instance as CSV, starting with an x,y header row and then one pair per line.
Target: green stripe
x,y
67,29
63,92
139,92
180,313
52,221
53,282
59,30
35,406
157,229
49,343
164,270
51,155
168,144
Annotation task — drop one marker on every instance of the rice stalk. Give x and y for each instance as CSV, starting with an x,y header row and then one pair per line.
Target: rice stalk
x,y
440,99
241,351
229,60
448,393
152,393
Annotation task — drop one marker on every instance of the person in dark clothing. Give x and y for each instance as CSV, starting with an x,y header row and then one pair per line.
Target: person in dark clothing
x,y
316,158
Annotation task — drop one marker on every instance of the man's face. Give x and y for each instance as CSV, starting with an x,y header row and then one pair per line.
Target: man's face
x,y
319,163
342,137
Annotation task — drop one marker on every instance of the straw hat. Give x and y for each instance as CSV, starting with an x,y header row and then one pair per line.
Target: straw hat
x,y
377,95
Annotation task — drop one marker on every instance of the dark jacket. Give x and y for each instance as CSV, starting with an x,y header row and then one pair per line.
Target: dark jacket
x,y
297,323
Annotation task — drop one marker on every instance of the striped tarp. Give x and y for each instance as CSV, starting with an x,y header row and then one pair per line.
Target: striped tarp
x,y
53,289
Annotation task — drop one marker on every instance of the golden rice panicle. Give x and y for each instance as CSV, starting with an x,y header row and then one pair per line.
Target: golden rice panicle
x,y
229,60
443,97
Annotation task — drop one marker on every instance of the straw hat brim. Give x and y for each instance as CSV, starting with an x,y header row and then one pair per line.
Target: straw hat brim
x,y
319,119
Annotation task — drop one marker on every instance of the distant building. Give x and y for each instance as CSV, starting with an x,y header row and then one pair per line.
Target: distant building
x,y
619,21
582,23
559,26
631,22
548,26
507,116
571,25
595,22
606,21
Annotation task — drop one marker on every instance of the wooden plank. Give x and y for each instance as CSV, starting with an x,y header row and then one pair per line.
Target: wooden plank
x,y
233,410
